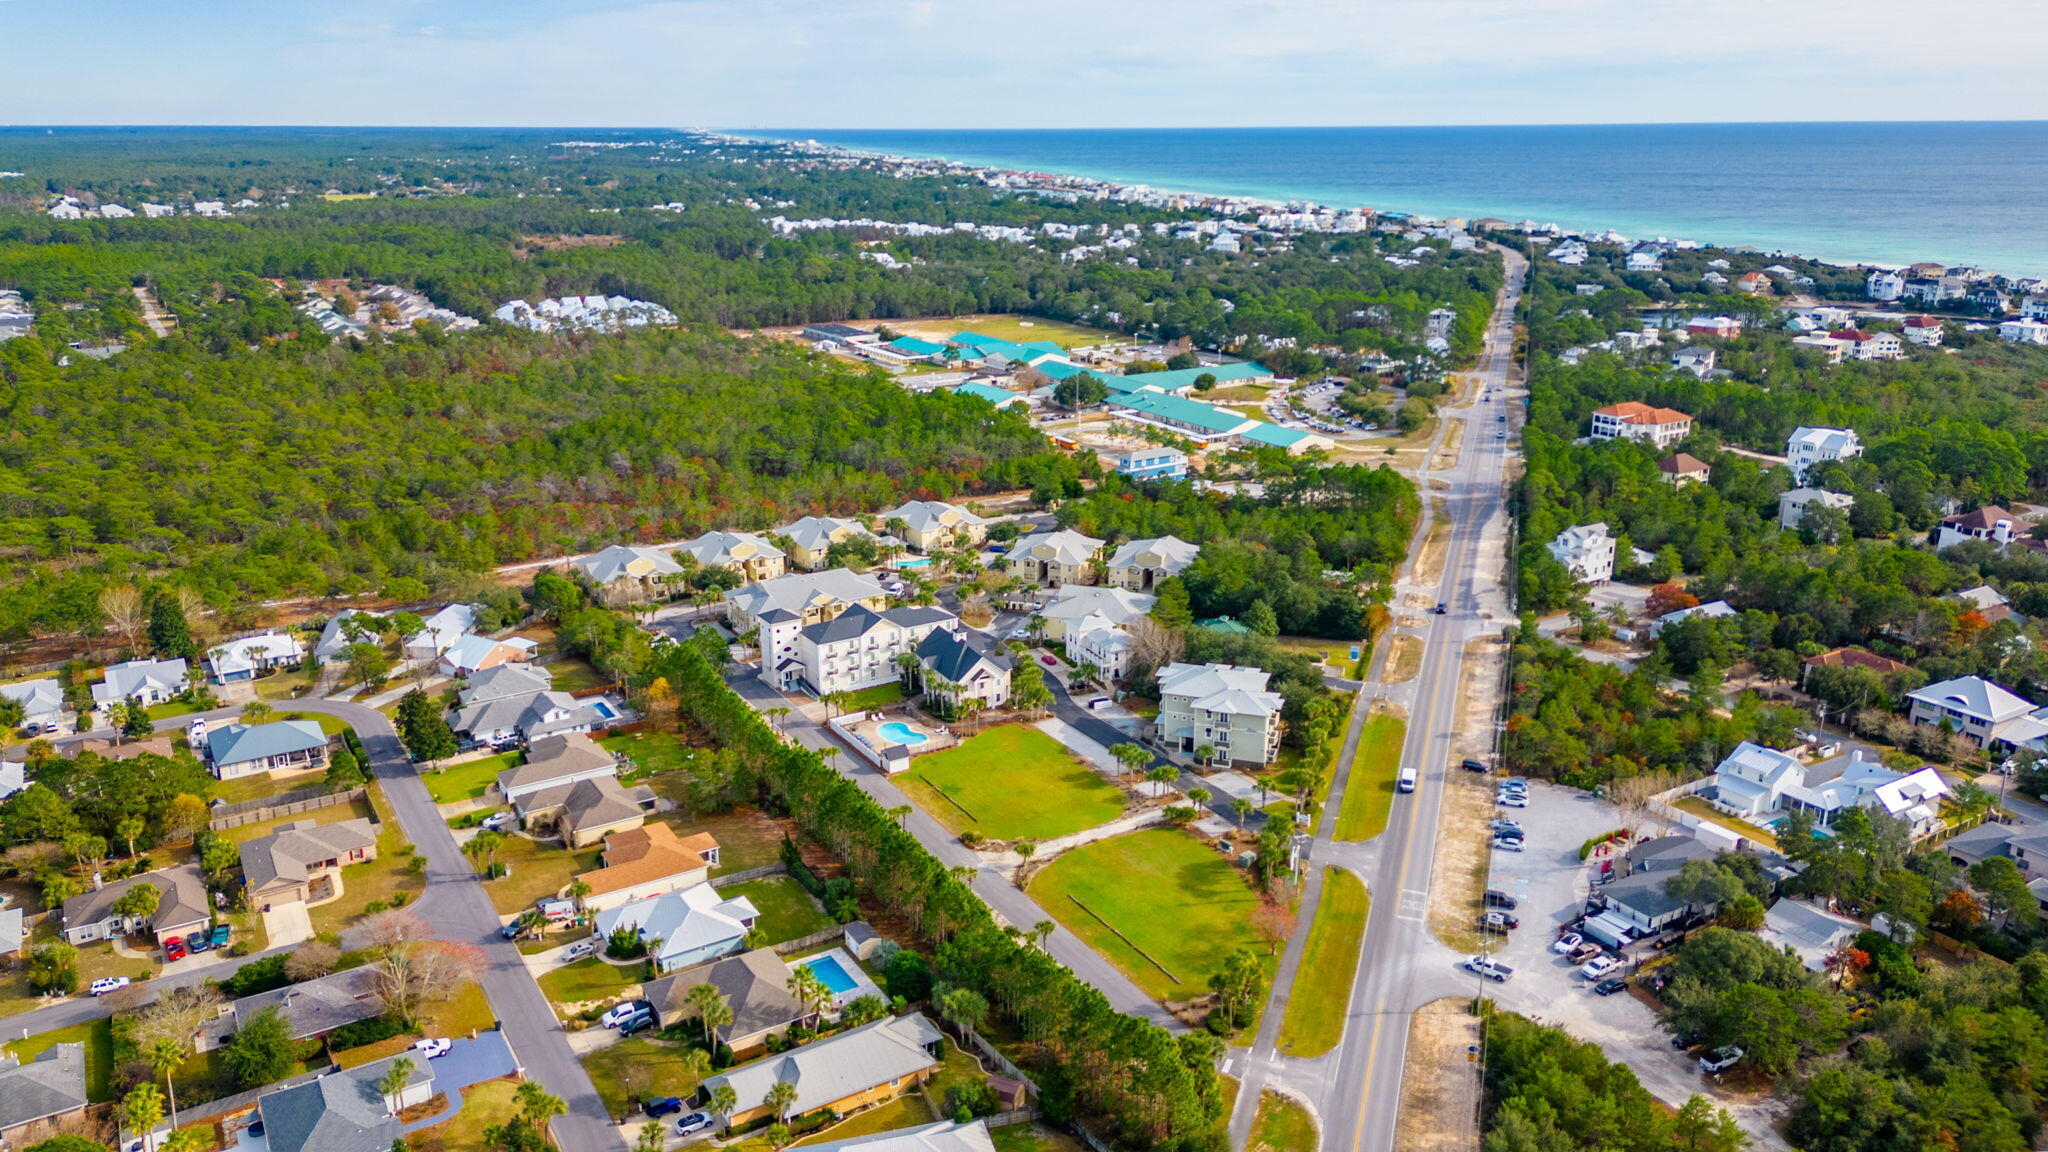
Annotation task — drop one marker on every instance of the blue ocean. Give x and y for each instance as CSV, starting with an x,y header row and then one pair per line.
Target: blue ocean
x,y
1959,193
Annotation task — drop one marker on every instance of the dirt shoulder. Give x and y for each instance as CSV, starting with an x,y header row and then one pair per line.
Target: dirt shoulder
x,y
1440,1113
1462,852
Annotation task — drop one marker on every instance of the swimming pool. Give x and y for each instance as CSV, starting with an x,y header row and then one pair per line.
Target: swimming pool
x,y
604,710
917,562
830,973
897,732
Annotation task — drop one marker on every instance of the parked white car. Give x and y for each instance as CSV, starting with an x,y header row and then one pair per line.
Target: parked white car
x,y
1599,966
620,1013
108,984
1567,942
433,1047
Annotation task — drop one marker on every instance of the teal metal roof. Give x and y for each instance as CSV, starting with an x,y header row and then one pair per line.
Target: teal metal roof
x,y
1224,624
911,345
1274,435
989,392
1179,410
1059,370
1175,379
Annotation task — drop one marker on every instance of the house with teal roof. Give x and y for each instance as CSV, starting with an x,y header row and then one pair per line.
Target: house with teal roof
x,y
1058,370
1204,421
1293,439
1000,397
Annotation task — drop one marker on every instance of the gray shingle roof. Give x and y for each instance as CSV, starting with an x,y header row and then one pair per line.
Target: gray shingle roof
x,y
341,1112
290,853
183,899
315,1007
755,983
842,1066
50,1085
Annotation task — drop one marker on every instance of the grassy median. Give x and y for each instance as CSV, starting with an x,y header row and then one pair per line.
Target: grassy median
x,y
1322,988
1369,792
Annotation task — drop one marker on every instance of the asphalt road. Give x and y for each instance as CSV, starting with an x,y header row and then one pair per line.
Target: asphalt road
x,y
456,907
1355,1090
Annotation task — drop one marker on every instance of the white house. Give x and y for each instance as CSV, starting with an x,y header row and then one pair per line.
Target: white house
x,y
439,632
1631,420
140,681
1973,707
1692,361
2023,332
857,648
42,701
1925,331
1711,610
1861,345
1792,505
1586,551
958,667
1813,934
1987,523
1884,284
779,610
684,927
1222,706
1760,785
1807,447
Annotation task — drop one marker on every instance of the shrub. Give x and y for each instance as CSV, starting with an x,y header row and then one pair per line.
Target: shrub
x,y
371,1031
909,976
968,1100
256,976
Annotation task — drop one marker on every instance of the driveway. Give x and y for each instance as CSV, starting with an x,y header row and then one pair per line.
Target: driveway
x,y
488,1057
287,924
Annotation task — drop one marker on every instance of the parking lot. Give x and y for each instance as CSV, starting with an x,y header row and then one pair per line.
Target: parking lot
x,y
1550,885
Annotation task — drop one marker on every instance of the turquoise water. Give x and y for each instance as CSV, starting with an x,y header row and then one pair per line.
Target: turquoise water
x,y
831,973
1961,193
897,732
914,562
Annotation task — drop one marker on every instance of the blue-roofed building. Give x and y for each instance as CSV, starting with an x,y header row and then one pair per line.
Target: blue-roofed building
x,y
1294,440
280,746
912,346
1152,463
1058,370
1000,397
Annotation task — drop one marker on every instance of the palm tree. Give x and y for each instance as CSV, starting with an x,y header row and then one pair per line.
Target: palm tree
x,y
780,1098
906,666
723,1100
483,847
1205,753
1199,796
165,1057
713,1010
392,1085
1160,777
1043,930
537,1105
1240,808
578,890
900,813
1133,757
809,990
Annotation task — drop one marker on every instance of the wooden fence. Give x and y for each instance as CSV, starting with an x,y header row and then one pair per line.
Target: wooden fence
x,y
270,808
746,874
787,947
988,1052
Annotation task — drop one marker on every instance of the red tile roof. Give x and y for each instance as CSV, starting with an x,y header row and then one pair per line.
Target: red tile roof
x,y
1634,412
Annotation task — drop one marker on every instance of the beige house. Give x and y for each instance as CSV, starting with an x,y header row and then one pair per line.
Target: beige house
x,y
743,553
569,784
867,1065
182,907
755,985
628,572
778,611
1139,565
651,860
1075,604
929,525
811,539
301,863
1223,706
1062,556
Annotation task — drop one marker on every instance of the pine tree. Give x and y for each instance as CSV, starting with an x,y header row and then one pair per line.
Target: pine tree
x,y
170,634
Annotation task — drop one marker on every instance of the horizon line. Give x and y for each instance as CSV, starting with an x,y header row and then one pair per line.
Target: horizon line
x,y
53,126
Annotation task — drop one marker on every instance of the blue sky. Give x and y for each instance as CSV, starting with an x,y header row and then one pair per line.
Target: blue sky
x,y
1015,64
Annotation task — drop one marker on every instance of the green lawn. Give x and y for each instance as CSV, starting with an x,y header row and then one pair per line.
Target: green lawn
x,y
377,881
469,781
1015,783
654,752
637,1068
286,686
262,786
1369,792
575,674
98,1038
787,911
1315,1012
354,809
591,978
538,871
875,697
483,1106
747,838
1021,329
1281,1126
1180,901
1032,1138
458,1015
169,709
905,1111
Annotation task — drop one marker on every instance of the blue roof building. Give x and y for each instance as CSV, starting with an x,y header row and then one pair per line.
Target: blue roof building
x,y
1000,397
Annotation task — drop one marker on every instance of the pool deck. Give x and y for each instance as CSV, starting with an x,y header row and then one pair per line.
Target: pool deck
x,y
862,986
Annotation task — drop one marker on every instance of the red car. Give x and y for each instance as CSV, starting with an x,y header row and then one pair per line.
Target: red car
x,y
174,949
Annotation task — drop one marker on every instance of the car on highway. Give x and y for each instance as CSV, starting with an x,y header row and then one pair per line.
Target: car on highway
x,y
1511,799
1565,943
694,1123
106,984
1599,966
1490,968
1507,843
620,1013
1609,986
1720,1059
433,1047
659,1106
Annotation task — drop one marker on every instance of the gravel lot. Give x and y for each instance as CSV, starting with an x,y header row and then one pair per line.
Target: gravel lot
x,y
1551,885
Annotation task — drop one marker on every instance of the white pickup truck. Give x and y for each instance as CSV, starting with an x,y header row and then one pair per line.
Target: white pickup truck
x,y
1490,968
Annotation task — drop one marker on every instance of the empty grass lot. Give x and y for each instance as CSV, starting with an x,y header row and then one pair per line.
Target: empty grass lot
x,y
1022,329
1315,1011
1032,1138
1015,783
591,978
787,911
1369,792
575,674
484,1106
1176,898
651,752
1281,1126
539,871
470,780
636,1068
879,696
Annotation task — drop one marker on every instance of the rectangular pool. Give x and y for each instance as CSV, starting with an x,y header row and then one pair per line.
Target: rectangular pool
x,y
829,972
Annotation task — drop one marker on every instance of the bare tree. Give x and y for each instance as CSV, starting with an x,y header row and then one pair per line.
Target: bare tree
x,y
122,605
1631,796
416,969
176,1015
1153,646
